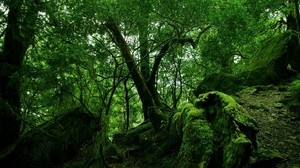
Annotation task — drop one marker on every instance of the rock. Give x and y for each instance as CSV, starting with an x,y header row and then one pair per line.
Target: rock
x,y
269,65
266,159
54,142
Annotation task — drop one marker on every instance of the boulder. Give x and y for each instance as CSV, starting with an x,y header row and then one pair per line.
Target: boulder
x,y
53,142
277,60
215,132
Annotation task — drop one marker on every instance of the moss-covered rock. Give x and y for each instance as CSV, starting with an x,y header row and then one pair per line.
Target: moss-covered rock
x,y
215,132
54,142
269,65
219,81
266,159
197,143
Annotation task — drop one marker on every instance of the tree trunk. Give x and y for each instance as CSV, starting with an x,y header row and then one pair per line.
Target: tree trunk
x,y
292,18
17,38
297,14
144,48
151,110
127,105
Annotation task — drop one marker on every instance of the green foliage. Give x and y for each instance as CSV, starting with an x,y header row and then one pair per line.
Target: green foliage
x,y
73,61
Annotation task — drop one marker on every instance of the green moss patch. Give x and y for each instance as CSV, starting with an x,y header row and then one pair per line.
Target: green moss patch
x,y
269,65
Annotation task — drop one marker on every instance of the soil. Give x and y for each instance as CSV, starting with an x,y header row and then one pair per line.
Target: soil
x,y
278,120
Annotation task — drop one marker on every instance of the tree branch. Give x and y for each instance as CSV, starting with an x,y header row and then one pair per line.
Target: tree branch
x,y
199,35
164,51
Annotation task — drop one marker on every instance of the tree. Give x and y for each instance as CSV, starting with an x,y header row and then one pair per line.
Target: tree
x,y
18,36
148,100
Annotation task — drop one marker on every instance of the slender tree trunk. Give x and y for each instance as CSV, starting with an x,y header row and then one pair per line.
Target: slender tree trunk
x,y
127,106
144,55
151,110
297,14
15,45
144,48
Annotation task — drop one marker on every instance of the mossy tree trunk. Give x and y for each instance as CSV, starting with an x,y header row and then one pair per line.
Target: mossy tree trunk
x,y
18,36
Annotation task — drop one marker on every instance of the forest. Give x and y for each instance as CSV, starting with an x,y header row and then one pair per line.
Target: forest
x,y
149,84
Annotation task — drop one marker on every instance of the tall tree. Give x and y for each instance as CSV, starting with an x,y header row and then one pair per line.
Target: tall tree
x,y
18,36
152,109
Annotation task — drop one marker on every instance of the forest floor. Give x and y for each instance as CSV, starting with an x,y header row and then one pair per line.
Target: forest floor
x,y
278,121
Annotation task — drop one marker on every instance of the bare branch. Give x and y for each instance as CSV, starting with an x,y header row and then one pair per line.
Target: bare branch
x,y
164,51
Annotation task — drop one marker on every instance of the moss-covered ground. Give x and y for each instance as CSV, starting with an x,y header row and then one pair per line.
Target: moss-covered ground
x,y
279,127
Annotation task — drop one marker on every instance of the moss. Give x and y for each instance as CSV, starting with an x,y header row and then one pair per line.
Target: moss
x,y
214,132
266,158
235,151
175,133
179,119
197,145
269,65
271,50
218,81
191,127
230,112
234,131
238,112
294,88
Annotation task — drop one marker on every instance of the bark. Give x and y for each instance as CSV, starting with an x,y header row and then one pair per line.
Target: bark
x,y
151,110
18,36
144,48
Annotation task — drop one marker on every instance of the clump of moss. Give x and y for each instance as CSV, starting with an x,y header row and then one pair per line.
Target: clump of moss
x,y
294,88
197,145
